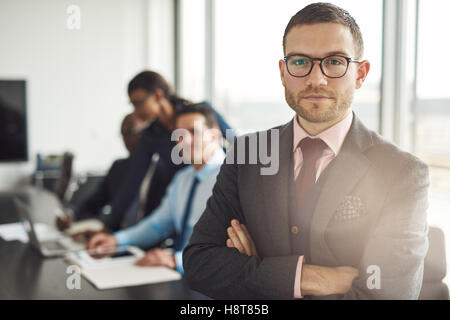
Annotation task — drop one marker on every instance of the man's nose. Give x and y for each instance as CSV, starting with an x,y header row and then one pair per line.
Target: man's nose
x,y
316,78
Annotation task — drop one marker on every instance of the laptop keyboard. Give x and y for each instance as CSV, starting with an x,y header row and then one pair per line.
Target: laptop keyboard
x,y
53,245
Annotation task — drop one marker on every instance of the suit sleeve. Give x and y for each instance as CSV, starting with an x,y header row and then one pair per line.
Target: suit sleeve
x,y
221,272
153,228
90,208
130,186
399,243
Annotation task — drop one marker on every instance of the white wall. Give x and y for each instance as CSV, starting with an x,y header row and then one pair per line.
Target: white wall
x,y
76,78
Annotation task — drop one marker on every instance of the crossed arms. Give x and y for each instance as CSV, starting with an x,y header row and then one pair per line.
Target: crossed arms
x,y
232,269
315,280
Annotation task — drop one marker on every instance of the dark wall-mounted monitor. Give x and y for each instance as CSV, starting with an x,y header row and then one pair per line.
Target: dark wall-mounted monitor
x,y
13,121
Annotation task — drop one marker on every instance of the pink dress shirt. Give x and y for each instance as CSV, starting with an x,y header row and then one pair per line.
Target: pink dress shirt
x,y
334,138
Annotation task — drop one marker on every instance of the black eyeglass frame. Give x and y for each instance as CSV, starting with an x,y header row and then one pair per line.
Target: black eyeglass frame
x,y
349,60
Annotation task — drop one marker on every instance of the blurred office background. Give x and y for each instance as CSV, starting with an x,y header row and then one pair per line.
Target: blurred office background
x,y
223,51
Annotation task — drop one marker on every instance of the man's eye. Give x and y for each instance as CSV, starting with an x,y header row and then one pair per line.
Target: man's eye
x,y
335,62
300,62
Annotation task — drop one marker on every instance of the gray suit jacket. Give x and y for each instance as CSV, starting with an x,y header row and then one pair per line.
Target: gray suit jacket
x,y
371,211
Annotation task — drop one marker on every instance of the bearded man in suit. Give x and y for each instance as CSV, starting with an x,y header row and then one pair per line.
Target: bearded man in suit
x,y
343,217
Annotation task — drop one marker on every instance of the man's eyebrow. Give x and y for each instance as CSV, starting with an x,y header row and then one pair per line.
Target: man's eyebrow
x,y
342,53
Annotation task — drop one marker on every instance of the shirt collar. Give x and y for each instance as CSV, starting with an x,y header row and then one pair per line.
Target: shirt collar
x,y
334,136
211,166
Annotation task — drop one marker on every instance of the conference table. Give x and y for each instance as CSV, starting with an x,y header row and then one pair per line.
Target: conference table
x,y
25,274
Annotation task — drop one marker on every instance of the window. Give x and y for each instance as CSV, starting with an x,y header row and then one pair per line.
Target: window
x,y
432,115
433,106
192,45
248,46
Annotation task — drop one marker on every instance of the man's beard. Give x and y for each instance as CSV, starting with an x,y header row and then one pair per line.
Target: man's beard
x,y
318,112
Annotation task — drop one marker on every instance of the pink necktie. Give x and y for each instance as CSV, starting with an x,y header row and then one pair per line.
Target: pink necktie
x,y
312,150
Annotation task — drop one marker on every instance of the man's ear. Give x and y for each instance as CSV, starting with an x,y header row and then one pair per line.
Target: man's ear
x,y
282,73
363,70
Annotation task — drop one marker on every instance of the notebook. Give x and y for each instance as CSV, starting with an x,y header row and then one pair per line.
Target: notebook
x,y
128,275
117,268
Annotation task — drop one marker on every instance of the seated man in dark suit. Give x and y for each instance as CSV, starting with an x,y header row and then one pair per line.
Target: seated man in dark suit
x,y
343,216
98,204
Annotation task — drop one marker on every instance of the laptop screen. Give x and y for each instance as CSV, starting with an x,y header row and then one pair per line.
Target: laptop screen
x,y
24,214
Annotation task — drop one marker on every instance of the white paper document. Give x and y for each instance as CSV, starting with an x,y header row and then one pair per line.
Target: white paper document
x,y
108,268
127,275
16,231
85,225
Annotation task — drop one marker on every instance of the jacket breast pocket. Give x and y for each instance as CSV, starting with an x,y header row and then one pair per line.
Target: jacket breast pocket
x,y
351,208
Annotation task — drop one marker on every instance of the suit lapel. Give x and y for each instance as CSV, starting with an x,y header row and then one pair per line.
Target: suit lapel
x,y
343,173
276,194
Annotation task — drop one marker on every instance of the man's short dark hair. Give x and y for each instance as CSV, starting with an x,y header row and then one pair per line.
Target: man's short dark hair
x,y
202,108
322,12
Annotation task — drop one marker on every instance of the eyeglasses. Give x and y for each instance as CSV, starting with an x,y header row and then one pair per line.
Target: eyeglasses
x,y
334,66
138,103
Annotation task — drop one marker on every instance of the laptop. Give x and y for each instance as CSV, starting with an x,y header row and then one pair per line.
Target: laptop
x,y
52,248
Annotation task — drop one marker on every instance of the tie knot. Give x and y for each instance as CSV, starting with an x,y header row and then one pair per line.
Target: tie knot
x,y
312,148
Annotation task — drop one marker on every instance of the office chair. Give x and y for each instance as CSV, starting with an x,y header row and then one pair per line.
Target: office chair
x,y
435,268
